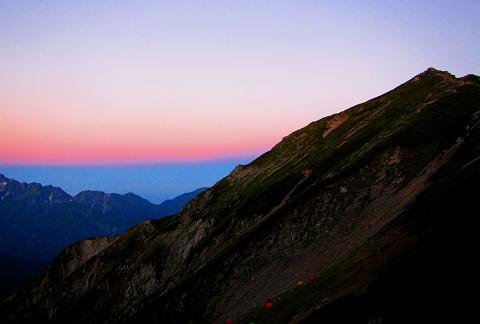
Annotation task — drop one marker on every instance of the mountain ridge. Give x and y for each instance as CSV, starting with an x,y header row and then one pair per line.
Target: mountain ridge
x,y
89,194
100,213
309,226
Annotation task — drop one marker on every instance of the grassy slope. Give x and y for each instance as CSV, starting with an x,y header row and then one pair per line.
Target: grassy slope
x,y
439,125
331,158
414,270
235,207
411,271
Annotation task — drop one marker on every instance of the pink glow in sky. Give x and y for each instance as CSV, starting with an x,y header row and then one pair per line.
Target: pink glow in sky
x,y
150,81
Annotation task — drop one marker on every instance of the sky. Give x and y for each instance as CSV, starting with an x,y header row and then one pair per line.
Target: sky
x,y
95,82
138,83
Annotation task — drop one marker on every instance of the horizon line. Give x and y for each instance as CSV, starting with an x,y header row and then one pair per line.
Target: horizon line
x,y
186,161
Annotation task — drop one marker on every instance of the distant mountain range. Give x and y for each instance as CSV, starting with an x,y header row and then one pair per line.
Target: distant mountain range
x,y
366,216
37,222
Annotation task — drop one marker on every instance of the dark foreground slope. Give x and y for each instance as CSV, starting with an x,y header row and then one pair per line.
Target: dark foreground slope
x,y
16,271
373,204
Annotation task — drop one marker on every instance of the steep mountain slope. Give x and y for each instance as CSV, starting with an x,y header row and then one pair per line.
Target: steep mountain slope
x,y
173,206
329,224
37,222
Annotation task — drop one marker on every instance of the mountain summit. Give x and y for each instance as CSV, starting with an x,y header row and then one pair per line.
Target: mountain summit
x,y
359,217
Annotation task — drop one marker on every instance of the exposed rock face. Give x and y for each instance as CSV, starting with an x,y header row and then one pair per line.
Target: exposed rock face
x,y
76,255
334,122
344,201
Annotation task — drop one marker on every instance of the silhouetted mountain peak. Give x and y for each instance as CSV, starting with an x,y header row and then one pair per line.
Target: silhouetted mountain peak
x,y
432,70
31,192
91,197
472,78
447,76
